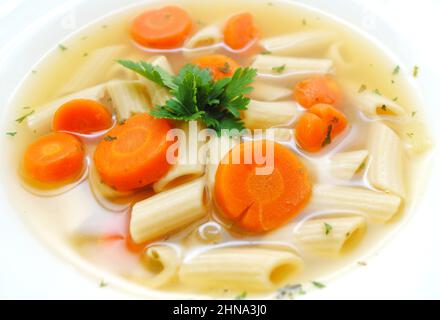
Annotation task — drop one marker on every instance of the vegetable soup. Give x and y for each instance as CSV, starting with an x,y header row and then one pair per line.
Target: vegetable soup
x,y
217,149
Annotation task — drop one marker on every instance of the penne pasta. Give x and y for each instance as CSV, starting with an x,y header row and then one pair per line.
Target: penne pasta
x,y
128,98
185,168
267,92
168,211
204,40
298,42
218,149
289,67
241,268
41,120
158,94
162,263
263,115
329,236
344,165
373,105
386,160
377,205
98,67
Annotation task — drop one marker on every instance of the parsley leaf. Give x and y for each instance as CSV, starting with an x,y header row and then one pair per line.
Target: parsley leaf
x,y
12,134
241,296
318,285
328,137
279,69
197,96
109,138
21,119
328,228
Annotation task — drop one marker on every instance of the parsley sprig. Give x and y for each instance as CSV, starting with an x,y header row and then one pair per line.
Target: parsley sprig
x,y
197,96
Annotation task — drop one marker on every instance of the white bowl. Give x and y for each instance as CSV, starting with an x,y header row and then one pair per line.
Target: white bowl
x,y
405,267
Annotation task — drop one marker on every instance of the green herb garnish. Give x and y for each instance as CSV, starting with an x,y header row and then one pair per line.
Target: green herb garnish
x,y
396,70
413,114
384,108
22,118
318,285
279,69
362,166
241,296
415,71
62,47
225,69
103,284
290,291
12,134
304,22
362,88
197,96
362,263
327,228
110,138
376,91
328,137
265,52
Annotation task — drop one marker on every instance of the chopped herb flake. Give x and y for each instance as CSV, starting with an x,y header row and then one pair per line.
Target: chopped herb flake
x,y
225,69
362,88
265,52
410,134
85,54
362,263
34,71
327,228
304,22
290,291
396,70
318,285
376,91
12,134
22,118
62,47
395,99
328,138
241,296
103,284
384,107
279,69
415,71
109,138
362,166
413,114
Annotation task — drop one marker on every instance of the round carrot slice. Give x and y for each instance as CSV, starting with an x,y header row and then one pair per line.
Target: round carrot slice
x,y
240,31
133,154
258,202
82,116
319,89
163,28
319,126
220,66
54,158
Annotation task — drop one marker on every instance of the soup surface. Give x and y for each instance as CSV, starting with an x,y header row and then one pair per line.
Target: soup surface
x,y
350,140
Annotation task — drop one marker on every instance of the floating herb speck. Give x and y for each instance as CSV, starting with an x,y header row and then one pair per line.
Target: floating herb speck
x,y
415,71
279,69
11,134
62,47
327,228
241,296
109,138
362,88
318,285
22,118
396,70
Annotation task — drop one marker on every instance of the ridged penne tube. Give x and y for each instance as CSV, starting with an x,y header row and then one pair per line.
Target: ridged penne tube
x,y
329,236
263,115
241,268
189,164
344,165
268,92
373,104
338,56
218,149
41,120
98,67
386,159
162,263
128,98
168,211
204,40
298,42
267,64
377,205
158,94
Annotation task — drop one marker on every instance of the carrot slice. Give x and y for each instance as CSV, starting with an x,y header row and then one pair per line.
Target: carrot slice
x,y
319,89
221,66
133,154
240,31
259,203
82,116
319,126
54,158
163,28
